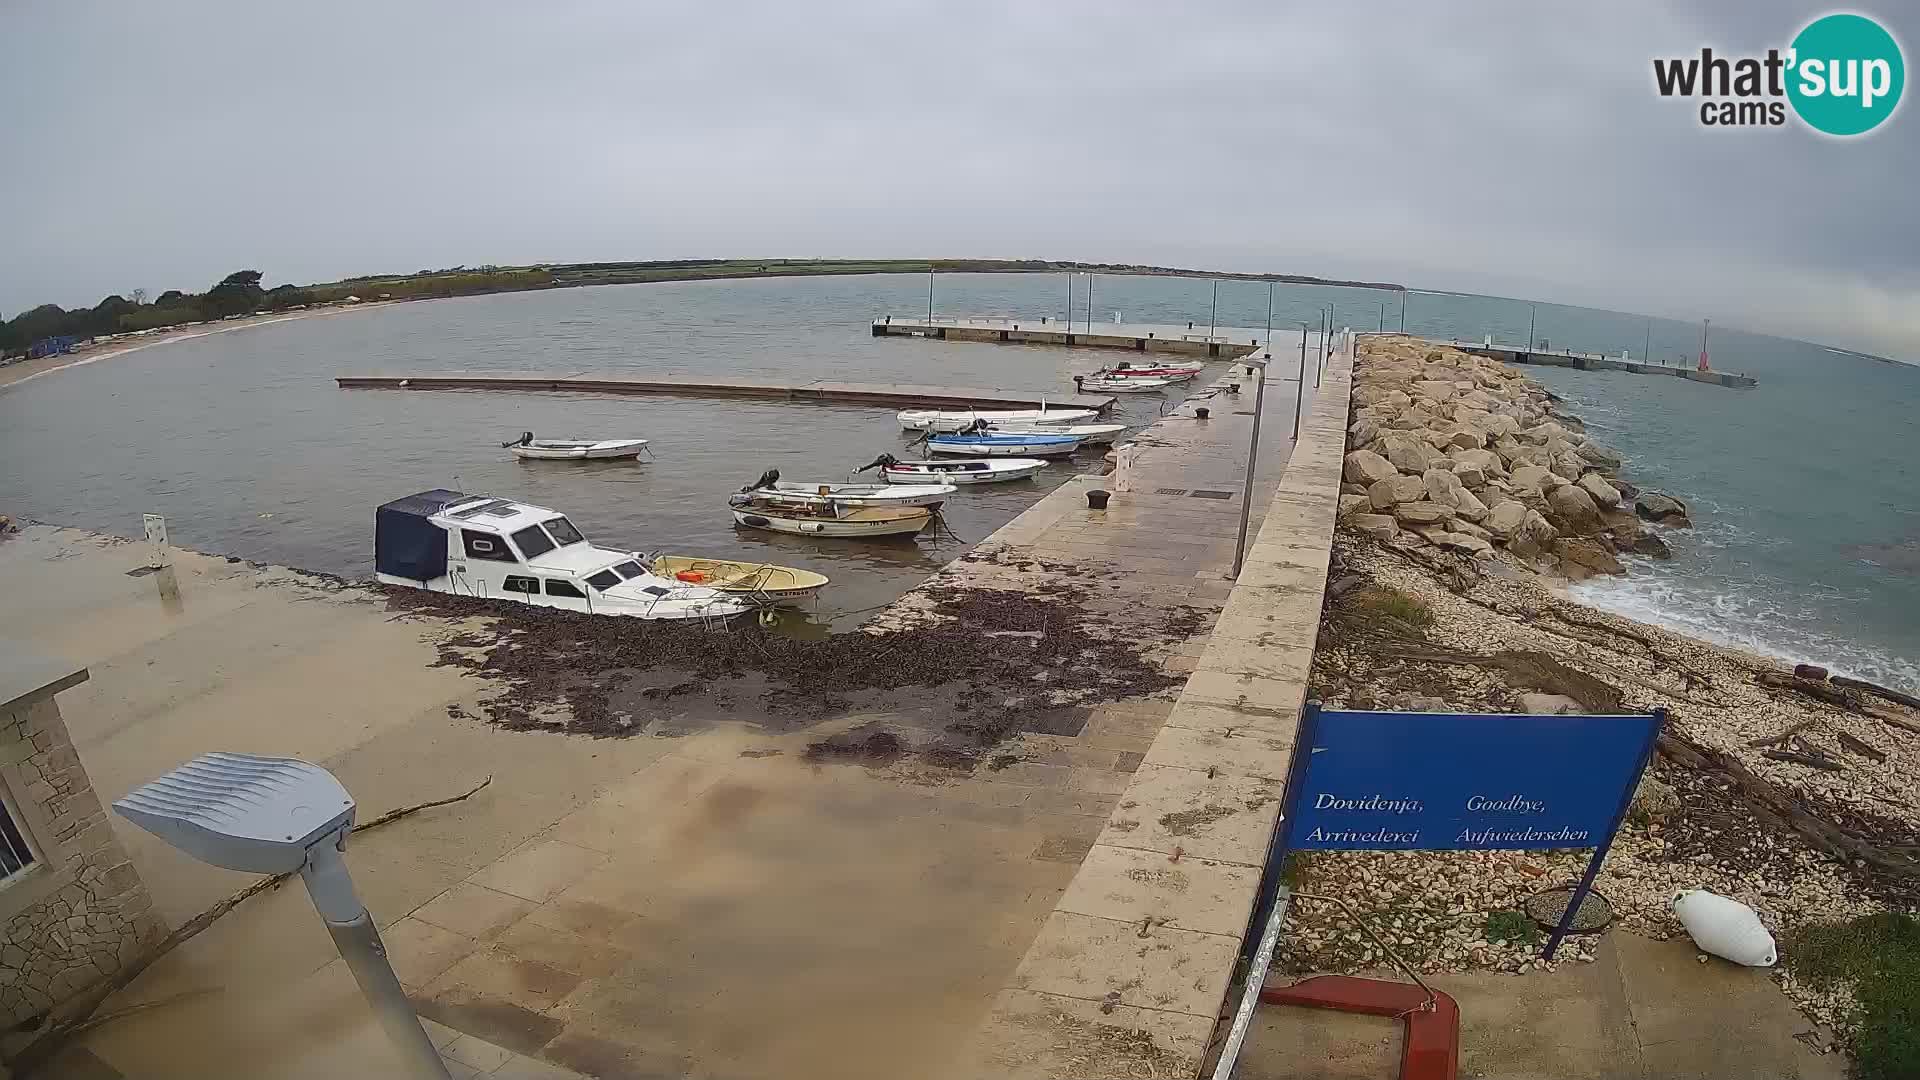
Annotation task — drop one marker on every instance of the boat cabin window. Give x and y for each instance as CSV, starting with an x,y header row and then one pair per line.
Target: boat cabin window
x,y
563,531
629,570
556,587
518,583
487,546
533,541
656,590
604,580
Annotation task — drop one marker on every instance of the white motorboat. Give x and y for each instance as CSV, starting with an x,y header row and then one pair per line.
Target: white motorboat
x,y
1170,372
1093,434
826,517
472,545
1138,385
952,420
771,485
979,471
574,449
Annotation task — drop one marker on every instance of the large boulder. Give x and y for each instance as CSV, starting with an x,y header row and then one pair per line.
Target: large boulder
x,y
1486,461
1574,510
1605,494
1422,513
1394,490
1470,476
1410,453
1504,519
1662,509
1353,503
1433,390
1379,525
1461,438
1460,541
1648,544
1535,538
1367,467
1582,558
1535,478
1598,456
1363,432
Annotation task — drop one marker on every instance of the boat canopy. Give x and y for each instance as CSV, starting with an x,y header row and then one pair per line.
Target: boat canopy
x,y
406,542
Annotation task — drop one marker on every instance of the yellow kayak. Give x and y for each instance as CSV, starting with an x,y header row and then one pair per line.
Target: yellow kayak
x,y
764,579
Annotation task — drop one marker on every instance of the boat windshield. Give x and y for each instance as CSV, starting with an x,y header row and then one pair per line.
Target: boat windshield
x,y
563,531
604,580
629,570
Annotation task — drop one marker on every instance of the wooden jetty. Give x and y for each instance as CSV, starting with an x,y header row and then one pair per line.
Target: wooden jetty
x,y
1143,337
893,395
1519,354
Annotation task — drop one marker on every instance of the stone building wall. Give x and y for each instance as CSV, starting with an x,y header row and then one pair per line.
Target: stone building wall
x,y
80,911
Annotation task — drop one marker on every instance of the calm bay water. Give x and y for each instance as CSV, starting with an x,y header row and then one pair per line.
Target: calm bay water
x,y
1807,543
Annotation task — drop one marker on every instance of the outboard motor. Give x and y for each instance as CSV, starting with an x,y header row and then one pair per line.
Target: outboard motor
x,y
880,462
978,427
767,480
523,440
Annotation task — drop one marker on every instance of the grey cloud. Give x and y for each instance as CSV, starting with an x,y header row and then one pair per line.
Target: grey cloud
x,y
1506,146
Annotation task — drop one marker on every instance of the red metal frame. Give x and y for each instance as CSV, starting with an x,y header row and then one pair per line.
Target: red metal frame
x,y
1432,1047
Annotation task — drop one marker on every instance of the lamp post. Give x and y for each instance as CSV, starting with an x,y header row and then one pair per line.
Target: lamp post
x,y
1269,318
1383,314
1403,311
1253,456
268,815
1213,320
1301,388
1089,303
929,295
1532,310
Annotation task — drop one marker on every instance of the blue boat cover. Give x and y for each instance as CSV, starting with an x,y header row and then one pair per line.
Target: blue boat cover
x,y
405,543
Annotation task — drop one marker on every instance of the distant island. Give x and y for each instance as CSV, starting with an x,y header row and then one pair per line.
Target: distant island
x,y
51,329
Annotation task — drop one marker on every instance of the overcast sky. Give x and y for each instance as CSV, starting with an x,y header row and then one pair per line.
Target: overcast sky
x,y
1514,148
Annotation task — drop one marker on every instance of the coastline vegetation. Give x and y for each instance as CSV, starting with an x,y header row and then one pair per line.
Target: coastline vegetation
x,y
241,293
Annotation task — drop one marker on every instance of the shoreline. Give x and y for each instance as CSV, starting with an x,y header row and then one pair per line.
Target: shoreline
x,y
28,370
1416,624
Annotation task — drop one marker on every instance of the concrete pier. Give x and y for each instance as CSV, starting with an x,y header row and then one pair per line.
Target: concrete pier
x,y
1222,343
1566,358
899,395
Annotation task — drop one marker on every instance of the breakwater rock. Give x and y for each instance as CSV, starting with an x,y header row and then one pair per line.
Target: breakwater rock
x,y
1460,452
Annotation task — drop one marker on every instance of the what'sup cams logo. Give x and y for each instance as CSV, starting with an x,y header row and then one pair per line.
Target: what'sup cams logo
x,y
1842,75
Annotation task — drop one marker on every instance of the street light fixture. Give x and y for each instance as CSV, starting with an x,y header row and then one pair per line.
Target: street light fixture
x,y
267,815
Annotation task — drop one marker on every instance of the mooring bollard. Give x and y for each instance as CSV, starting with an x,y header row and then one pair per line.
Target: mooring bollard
x,y
1097,499
1201,412
1233,388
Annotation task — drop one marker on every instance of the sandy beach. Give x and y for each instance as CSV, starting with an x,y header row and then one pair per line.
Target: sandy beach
x,y
29,370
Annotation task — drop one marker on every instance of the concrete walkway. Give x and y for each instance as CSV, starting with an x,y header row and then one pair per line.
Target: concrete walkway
x,y
1644,1010
711,903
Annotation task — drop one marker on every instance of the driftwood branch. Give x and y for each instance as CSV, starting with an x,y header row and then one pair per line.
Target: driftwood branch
x,y
1878,691
1861,747
1803,759
77,1011
1775,740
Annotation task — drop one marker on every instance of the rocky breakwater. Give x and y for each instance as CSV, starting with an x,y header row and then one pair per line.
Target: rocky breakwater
x,y
1457,451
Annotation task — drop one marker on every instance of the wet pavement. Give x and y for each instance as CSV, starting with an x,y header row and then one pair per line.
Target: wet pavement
x,y
709,897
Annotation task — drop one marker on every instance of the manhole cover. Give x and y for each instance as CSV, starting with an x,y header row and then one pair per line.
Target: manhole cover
x,y
1171,491
1548,905
1210,494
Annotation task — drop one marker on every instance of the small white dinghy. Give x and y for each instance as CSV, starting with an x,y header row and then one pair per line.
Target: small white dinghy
x,y
955,420
825,517
977,471
534,449
772,486
1135,385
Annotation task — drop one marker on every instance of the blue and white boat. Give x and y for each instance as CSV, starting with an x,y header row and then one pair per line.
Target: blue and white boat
x,y
976,444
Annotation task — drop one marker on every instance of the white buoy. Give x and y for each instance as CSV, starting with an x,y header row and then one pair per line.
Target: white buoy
x,y
1726,928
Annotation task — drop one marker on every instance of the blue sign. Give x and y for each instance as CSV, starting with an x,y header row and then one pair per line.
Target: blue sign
x,y
1448,782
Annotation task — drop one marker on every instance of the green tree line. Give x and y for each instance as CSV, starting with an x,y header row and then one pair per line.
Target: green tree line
x,y
240,293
